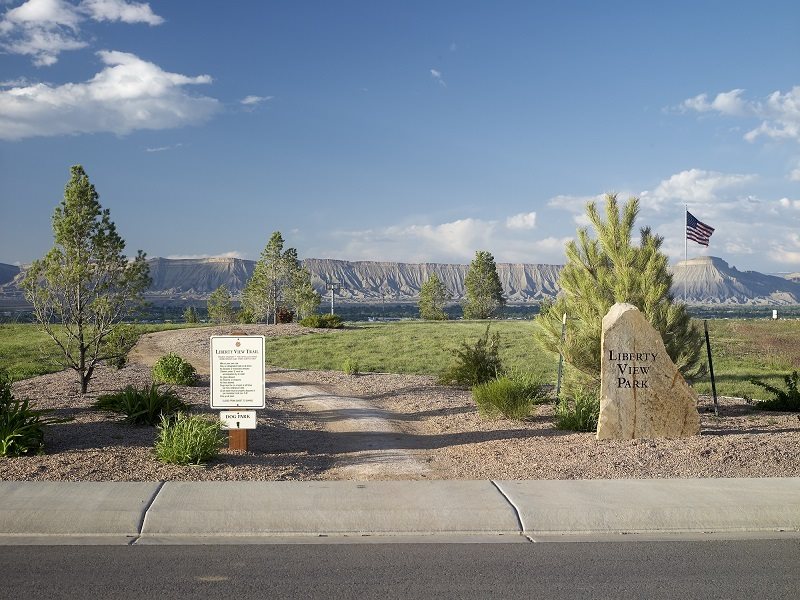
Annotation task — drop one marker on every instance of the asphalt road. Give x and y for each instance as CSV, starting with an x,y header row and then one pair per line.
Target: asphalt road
x,y
650,570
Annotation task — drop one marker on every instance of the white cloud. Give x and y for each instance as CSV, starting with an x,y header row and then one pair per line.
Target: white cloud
x,y
787,252
794,174
727,103
522,221
119,10
786,203
230,254
254,100
693,186
128,94
437,76
779,112
42,29
163,148
453,242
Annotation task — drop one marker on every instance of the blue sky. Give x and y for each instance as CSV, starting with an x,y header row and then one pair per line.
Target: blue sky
x,y
413,131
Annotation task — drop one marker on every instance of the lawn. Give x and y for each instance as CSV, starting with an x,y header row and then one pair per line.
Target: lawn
x,y
26,350
409,347
742,348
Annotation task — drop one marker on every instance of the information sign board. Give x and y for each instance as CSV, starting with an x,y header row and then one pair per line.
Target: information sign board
x,y
237,371
238,419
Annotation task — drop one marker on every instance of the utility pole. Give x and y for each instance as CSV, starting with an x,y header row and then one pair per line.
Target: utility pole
x,y
333,286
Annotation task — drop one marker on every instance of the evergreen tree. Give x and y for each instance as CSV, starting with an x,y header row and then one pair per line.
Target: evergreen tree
x,y
220,306
432,298
484,292
609,269
278,281
85,282
190,315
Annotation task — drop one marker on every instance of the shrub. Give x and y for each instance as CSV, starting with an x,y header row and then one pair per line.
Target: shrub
x,y
171,368
285,315
142,407
190,315
351,366
579,413
21,427
788,400
323,321
475,364
510,397
188,439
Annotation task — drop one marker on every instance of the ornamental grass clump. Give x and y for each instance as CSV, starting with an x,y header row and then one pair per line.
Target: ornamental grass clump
x,y
579,413
784,400
143,406
475,364
188,439
172,369
21,427
508,396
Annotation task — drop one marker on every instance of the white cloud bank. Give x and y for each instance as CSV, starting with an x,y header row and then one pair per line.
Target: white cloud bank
x,y
453,242
693,186
779,112
43,29
522,221
128,94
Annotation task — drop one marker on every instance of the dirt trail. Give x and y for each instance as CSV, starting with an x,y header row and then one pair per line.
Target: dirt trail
x,y
368,441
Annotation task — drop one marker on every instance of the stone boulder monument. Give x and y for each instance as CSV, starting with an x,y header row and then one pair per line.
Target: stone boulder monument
x,y
642,393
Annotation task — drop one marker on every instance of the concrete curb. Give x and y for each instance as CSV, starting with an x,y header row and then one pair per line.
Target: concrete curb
x,y
655,505
330,508
204,512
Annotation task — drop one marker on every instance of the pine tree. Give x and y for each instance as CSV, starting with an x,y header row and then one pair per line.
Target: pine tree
x,y
190,315
484,292
220,306
85,283
432,299
609,269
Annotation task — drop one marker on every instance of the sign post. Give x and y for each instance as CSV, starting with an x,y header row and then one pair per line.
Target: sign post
x,y
237,383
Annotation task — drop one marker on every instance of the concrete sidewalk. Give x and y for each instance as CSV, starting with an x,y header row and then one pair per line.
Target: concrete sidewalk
x,y
219,512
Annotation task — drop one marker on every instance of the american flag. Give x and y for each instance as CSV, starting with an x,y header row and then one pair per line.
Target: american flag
x,y
697,231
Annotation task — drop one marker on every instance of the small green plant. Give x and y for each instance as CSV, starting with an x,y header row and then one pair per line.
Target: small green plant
x,y
475,364
509,397
21,427
786,400
326,321
118,343
171,368
580,413
351,366
188,439
142,407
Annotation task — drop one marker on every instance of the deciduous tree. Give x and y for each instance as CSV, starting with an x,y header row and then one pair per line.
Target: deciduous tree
x,y
433,295
85,283
220,306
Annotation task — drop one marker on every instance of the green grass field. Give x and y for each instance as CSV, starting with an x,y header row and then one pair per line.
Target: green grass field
x,y
26,350
742,348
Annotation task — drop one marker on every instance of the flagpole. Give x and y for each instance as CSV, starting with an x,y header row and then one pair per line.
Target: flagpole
x,y
685,248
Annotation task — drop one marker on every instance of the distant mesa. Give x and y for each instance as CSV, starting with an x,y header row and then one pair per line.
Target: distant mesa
x,y
704,280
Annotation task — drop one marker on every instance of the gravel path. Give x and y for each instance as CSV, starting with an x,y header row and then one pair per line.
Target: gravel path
x,y
433,426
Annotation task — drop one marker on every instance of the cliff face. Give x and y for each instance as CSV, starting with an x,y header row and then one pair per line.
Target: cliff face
x,y
368,280
711,280
7,273
707,280
199,276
